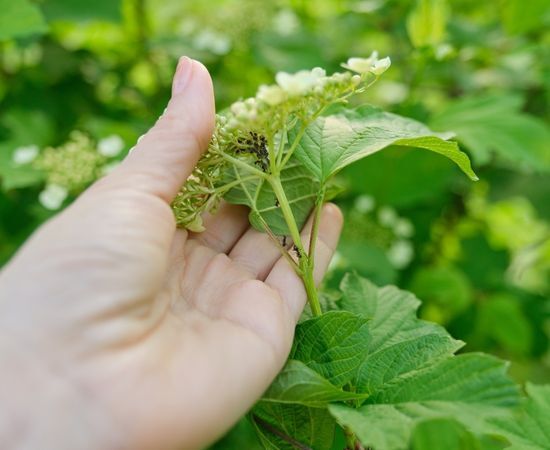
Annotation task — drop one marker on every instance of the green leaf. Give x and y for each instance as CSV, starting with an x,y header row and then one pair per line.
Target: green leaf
x,y
470,388
399,343
529,429
291,427
334,142
20,18
446,292
519,16
299,384
108,10
427,21
448,434
300,187
495,123
332,345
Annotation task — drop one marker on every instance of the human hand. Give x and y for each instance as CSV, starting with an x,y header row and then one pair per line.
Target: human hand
x,y
119,331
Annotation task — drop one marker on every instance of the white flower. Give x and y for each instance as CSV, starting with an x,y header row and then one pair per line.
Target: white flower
x,y
301,82
361,65
400,254
53,196
25,155
403,228
272,95
364,203
110,146
286,22
380,66
212,41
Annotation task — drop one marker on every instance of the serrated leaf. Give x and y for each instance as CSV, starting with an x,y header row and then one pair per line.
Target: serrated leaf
x,y
291,427
19,18
333,345
299,384
334,142
495,124
399,343
470,388
529,429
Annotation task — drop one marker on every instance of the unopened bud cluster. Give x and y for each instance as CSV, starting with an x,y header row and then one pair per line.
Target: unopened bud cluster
x,y
252,129
71,167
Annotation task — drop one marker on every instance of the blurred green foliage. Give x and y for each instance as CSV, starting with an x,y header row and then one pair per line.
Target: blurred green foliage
x,y
477,254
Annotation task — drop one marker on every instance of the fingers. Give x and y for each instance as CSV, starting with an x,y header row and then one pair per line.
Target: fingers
x,y
165,156
224,228
283,278
256,252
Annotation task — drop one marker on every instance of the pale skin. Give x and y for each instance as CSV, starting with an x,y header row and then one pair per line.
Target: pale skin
x,y
119,331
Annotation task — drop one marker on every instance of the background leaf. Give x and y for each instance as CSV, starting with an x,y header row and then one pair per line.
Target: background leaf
x,y
20,18
495,124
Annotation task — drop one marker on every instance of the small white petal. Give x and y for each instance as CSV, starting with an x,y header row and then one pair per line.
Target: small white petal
x,y
53,196
380,66
25,155
110,146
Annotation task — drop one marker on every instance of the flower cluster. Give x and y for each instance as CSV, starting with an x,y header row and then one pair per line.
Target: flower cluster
x,y
255,130
71,167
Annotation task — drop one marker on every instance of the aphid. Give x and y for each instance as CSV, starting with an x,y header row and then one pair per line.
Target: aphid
x,y
256,145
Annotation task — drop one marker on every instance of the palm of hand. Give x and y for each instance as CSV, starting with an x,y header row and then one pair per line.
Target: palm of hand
x,y
152,338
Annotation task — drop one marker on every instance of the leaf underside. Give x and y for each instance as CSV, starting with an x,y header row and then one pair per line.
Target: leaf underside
x,y
328,145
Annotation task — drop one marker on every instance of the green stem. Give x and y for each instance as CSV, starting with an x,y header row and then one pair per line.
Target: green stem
x,y
287,212
350,439
243,165
305,262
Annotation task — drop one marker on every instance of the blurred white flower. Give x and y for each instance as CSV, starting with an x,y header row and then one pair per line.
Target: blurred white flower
x,y
400,254
110,146
25,155
53,196
380,66
301,82
272,95
364,203
387,216
403,228
286,22
212,41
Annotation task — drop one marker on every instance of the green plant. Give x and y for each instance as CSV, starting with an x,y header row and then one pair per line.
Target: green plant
x,y
361,362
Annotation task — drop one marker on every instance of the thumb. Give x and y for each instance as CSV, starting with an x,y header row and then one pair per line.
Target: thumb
x,y
166,155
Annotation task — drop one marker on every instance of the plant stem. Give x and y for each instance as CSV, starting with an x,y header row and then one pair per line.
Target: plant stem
x,y
305,261
350,439
287,213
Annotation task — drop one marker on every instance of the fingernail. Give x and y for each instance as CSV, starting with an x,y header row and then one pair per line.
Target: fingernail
x,y
182,75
